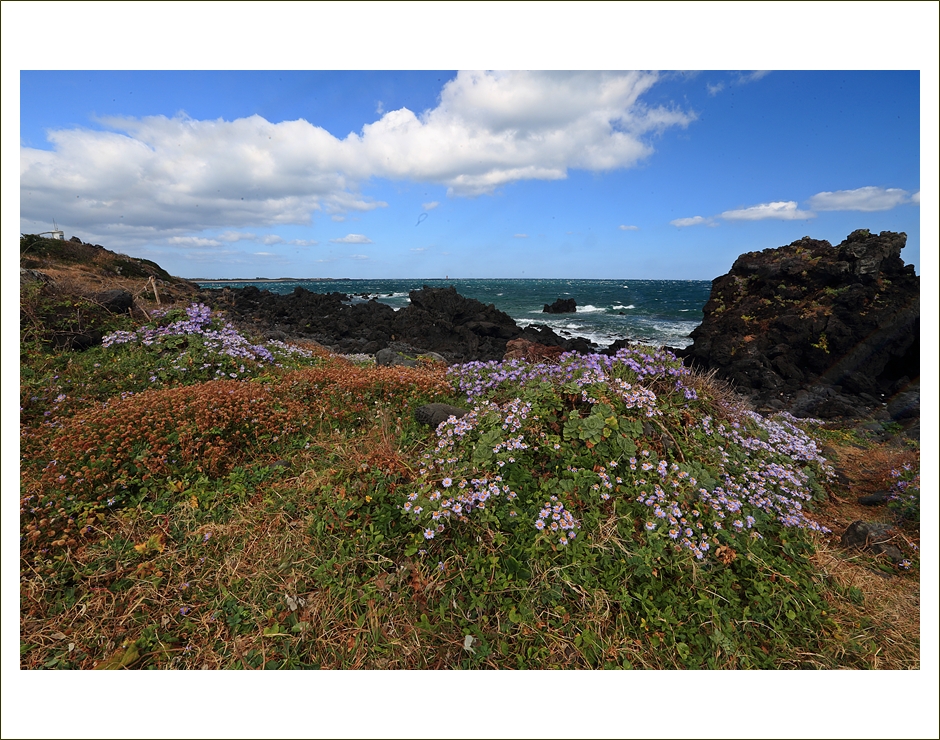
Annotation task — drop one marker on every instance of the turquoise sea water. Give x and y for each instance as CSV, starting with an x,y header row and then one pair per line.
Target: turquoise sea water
x,y
659,312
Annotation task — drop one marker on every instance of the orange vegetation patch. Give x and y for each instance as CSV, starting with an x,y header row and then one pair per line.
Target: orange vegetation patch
x,y
340,389
112,450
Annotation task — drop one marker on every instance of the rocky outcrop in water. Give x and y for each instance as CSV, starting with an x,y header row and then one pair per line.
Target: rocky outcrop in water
x,y
824,331
562,305
437,320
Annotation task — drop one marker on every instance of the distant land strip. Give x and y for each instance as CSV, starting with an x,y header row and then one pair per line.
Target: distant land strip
x,y
266,280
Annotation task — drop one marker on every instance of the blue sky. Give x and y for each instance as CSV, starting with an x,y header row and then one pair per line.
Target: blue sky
x,y
432,173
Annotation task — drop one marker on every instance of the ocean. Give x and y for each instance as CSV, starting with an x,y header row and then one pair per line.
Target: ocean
x,y
659,312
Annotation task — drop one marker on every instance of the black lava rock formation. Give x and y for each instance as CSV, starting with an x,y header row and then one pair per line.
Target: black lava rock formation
x,y
823,331
562,305
437,320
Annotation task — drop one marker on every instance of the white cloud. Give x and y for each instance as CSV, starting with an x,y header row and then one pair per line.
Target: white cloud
x,y
270,239
358,256
915,198
629,228
784,210
419,249
338,217
429,206
352,239
156,177
264,254
303,242
193,241
520,236
861,199
237,236
691,221
744,78
715,89
738,78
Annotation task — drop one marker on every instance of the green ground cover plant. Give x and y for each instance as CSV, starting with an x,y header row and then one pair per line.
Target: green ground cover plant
x,y
192,498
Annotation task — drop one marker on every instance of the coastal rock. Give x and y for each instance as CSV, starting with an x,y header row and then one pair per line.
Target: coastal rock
x,y
433,414
34,276
405,355
115,301
617,346
562,305
872,536
875,499
827,331
440,320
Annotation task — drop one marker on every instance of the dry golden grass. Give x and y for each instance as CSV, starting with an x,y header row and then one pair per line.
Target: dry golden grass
x,y
884,629
878,613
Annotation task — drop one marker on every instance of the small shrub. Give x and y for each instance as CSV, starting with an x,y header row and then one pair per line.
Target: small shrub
x,y
125,450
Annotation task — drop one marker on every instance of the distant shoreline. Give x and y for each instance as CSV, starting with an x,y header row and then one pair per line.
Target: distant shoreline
x,y
266,280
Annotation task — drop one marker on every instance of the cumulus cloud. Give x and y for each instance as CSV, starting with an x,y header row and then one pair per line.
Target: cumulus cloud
x,y
520,236
352,239
193,241
629,228
237,236
691,221
861,199
264,254
784,210
303,242
915,198
156,177
429,206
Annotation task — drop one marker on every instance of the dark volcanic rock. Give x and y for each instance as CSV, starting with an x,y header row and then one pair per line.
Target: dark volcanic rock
x,y
433,414
875,499
438,320
830,331
115,301
617,346
873,536
562,305
398,353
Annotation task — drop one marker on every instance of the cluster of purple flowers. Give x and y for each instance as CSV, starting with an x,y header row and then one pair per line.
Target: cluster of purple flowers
x,y
479,378
783,437
459,502
905,492
217,336
555,520
757,464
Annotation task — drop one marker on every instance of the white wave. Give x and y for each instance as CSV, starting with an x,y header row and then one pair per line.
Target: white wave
x,y
600,338
590,309
620,307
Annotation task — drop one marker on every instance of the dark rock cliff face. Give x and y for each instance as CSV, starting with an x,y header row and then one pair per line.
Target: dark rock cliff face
x,y
826,331
437,320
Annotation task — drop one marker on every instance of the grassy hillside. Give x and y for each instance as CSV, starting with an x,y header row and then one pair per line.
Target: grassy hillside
x,y
194,498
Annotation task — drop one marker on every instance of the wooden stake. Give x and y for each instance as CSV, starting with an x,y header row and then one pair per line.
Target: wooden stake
x,y
156,295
